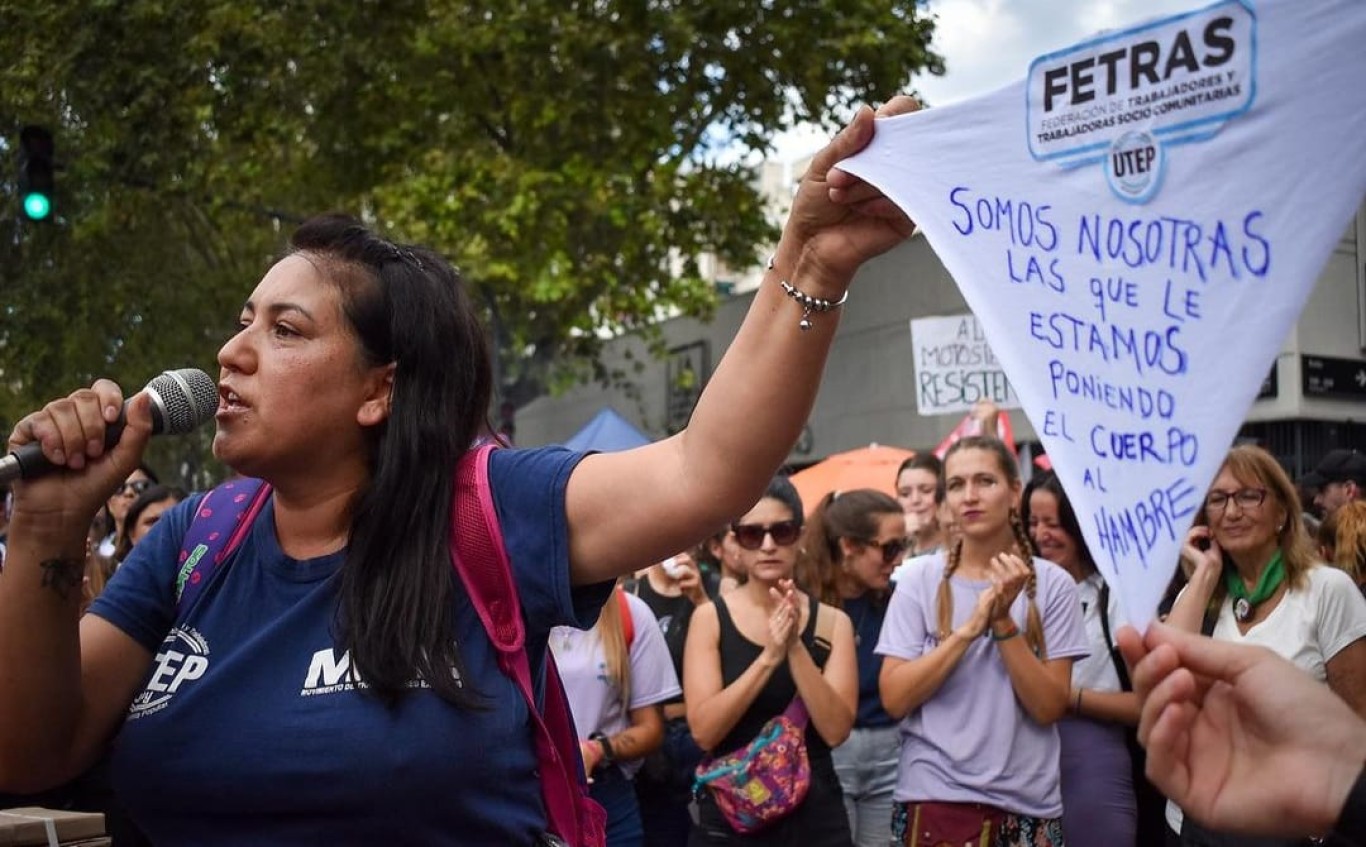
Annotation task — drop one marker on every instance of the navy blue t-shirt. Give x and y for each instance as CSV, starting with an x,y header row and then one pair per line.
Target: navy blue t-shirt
x,y
251,728
867,614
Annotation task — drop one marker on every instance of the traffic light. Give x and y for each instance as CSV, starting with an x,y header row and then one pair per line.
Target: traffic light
x,y
36,181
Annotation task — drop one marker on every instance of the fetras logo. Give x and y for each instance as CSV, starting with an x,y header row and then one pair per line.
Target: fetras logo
x,y
183,658
1124,100
1133,166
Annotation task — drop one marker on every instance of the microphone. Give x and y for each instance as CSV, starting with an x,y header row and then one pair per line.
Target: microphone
x,y
181,400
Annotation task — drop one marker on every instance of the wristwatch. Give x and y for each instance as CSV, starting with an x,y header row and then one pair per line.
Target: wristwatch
x,y
609,756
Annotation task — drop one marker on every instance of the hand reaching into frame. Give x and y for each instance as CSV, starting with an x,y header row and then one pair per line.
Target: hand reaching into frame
x,y
1239,738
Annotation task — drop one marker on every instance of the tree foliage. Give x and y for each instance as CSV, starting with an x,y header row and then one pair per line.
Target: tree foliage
x,y
572,158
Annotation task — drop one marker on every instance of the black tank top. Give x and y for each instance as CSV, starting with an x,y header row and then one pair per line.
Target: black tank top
x,y
737,654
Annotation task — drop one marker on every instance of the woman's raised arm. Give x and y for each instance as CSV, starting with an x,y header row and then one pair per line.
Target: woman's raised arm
x,y
637,506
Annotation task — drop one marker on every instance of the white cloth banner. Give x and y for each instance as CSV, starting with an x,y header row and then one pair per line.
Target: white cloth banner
x,y
1137,226
955,368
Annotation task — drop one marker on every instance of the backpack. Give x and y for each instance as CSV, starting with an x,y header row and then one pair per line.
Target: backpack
x,y
481,562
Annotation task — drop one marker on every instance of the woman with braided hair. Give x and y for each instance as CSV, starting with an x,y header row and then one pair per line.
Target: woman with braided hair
x,y
977,653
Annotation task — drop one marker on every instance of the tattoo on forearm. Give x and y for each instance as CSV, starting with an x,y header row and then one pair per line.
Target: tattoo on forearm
x,y
627,746
63,575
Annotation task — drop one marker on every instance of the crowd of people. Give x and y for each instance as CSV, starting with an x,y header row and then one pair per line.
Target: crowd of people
x,y
974,685
939,667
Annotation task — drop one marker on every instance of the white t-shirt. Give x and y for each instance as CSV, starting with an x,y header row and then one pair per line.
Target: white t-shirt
x,y
593,698
1307,627
1096,670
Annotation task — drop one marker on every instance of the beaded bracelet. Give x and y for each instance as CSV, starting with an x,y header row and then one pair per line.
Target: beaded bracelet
x,y
1014,631
808,303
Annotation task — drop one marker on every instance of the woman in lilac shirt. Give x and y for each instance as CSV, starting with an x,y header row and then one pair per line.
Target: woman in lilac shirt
x,y
978,647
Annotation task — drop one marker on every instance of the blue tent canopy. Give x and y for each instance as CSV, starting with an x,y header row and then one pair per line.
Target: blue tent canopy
x,y
606,432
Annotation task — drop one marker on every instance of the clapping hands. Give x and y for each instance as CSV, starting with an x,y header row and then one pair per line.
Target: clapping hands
x,y
784,621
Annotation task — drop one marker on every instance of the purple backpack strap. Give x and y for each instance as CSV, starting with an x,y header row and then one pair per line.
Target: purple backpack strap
x,y
481,562
220,523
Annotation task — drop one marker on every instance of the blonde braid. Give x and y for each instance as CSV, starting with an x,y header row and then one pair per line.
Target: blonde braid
x,y
1033,623
944,599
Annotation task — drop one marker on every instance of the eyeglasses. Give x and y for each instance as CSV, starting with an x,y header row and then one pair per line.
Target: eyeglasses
x,y
892,551
751,535
135,487
1246,498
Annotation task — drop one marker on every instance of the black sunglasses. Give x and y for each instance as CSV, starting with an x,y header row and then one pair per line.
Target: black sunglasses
x,y
135,487
751,535
892,551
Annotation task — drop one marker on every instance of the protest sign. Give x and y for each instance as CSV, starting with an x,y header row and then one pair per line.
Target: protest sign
x,y
1137,226
971,425
955,368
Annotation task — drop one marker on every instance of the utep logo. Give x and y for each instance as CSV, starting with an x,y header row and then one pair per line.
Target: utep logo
x,y
183,658
1133,166
1123,100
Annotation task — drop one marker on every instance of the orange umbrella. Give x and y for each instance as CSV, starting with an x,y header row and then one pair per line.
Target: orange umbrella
x,y
873,467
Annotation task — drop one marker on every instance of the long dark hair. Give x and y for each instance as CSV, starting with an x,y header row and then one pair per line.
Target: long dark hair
x,y
407,306
1067,516
156,494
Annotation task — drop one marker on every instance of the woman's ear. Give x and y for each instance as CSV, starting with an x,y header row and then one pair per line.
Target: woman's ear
x,y
848,547
379,394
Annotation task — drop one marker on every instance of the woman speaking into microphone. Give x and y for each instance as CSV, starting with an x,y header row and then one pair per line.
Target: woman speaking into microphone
x,y
331,681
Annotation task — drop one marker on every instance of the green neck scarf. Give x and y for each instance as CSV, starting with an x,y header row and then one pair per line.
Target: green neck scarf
x,y
1272,577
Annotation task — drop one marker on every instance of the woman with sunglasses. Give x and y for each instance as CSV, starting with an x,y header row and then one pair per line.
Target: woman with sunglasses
x,y
750,653
852,543
978,647
116,507
1255,580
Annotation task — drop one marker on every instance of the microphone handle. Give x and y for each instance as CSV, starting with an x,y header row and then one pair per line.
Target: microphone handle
x,y
28,461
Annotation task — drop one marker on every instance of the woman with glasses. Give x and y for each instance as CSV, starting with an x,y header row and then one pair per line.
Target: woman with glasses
x,y
750,653
1255,580
978,648
851,544
116,507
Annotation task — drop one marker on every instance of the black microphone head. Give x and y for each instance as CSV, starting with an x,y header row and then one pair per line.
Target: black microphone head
x,y
182,400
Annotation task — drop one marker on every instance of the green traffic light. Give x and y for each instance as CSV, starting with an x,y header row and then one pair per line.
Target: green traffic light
x,y
37,206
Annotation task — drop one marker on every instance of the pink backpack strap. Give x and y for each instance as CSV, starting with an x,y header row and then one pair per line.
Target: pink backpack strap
x,y
481,562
